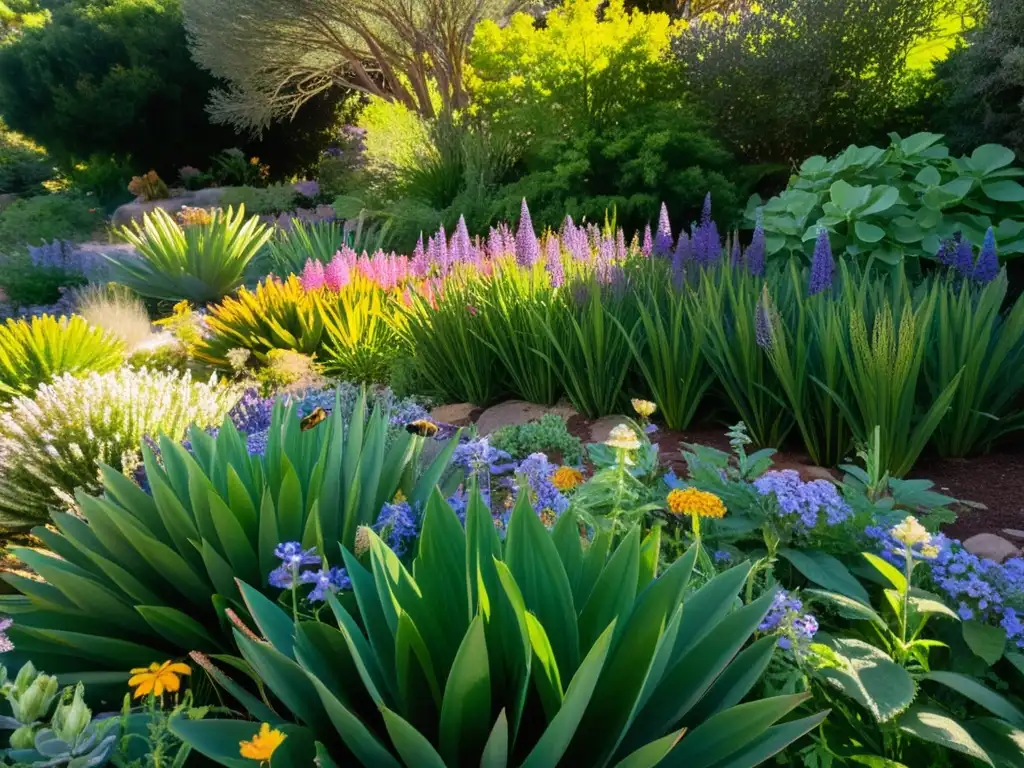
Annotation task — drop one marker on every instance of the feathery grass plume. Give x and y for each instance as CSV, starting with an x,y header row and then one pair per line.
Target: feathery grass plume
x,y
53,442
117,310
884,366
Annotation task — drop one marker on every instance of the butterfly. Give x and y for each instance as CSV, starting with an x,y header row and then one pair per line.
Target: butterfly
x,y
314,418
421,427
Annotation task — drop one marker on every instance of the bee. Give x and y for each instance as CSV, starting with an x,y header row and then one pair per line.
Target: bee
x,y
308,422
421,427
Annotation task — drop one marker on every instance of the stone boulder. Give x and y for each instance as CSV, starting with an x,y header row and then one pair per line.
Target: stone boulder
x,y
991,547
458,414
134,211
600,429
518,412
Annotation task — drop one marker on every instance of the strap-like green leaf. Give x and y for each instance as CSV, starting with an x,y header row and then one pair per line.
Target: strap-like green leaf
x,y
466,709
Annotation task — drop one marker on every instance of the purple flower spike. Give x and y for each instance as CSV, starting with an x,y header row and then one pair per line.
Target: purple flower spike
x,y
754,258
663,238
648,245
963,262
987,267
705,214
313,277
462,247
822,265
527,247
554,261
763,326
736,257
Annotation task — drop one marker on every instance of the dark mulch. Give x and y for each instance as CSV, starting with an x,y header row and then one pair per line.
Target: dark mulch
x,y
995,481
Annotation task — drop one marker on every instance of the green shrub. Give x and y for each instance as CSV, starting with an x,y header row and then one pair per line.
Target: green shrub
x,y
23,165
48,217
277,198
54,441
291,248
818,74
899,202
515,673
34,351
200,263
546,435
215,514
43,280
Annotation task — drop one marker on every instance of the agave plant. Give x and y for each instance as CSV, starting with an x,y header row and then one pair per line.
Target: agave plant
x,y
277,315
199,263
34,351
143,576
535,651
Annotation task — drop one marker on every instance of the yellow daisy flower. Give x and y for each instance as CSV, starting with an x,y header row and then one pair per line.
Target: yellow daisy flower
x,y
690,501
157,678
644,408
566,478
262,745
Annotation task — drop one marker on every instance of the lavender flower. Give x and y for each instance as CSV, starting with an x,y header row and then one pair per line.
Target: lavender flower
x,y
705,214
946,254
461,247
252,413
397,525
822,265
648,244
474,456
544,496
785,619
987,266
756,251
963,262
663,238
527,247
419,264
307,188
554,262
326,580
620,244
800,503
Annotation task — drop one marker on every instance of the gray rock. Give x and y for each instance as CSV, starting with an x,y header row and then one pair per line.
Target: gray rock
x,y
206,198
201,198
518,412
1014,533
991,547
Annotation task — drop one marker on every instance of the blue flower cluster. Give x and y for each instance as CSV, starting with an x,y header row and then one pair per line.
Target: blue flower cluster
x,y
252,413
459,501
543,494
290,574
475,456
977,588
398,525
802,502
786,618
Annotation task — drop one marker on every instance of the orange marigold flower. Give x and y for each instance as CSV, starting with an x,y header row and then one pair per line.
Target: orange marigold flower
x,y
690,501
262,745
157,678
566,478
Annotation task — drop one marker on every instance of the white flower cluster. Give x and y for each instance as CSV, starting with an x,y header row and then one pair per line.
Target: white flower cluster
x,y
52,443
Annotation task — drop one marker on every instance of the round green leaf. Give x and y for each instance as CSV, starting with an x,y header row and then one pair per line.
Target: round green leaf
x,y
929,176
1005,191
869,233
991,157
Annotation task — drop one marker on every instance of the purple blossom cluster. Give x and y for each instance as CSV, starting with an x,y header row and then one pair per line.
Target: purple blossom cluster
x,y
958,256
786,619
459,501
252,413
65,257
823,266
291,573
544,496
308,188
398,525
478,456
805,505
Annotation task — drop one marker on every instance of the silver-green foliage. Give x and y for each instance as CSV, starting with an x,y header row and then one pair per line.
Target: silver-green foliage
x,y
143,577
535,651
899,202
54,441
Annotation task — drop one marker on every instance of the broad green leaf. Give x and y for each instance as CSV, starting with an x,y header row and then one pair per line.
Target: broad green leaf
x,y
614,593
849,198
274,624
1005,191
466,709
357,737
496,749
991,157
219,739
867,232
653,753
180,628
556,738
979,694
871,678
544,667
412,746
891,574
937,727
827,571
773,741
987,641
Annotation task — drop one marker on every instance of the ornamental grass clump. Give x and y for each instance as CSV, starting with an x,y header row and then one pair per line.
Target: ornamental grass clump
x,y
54,442
535,650
34,351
